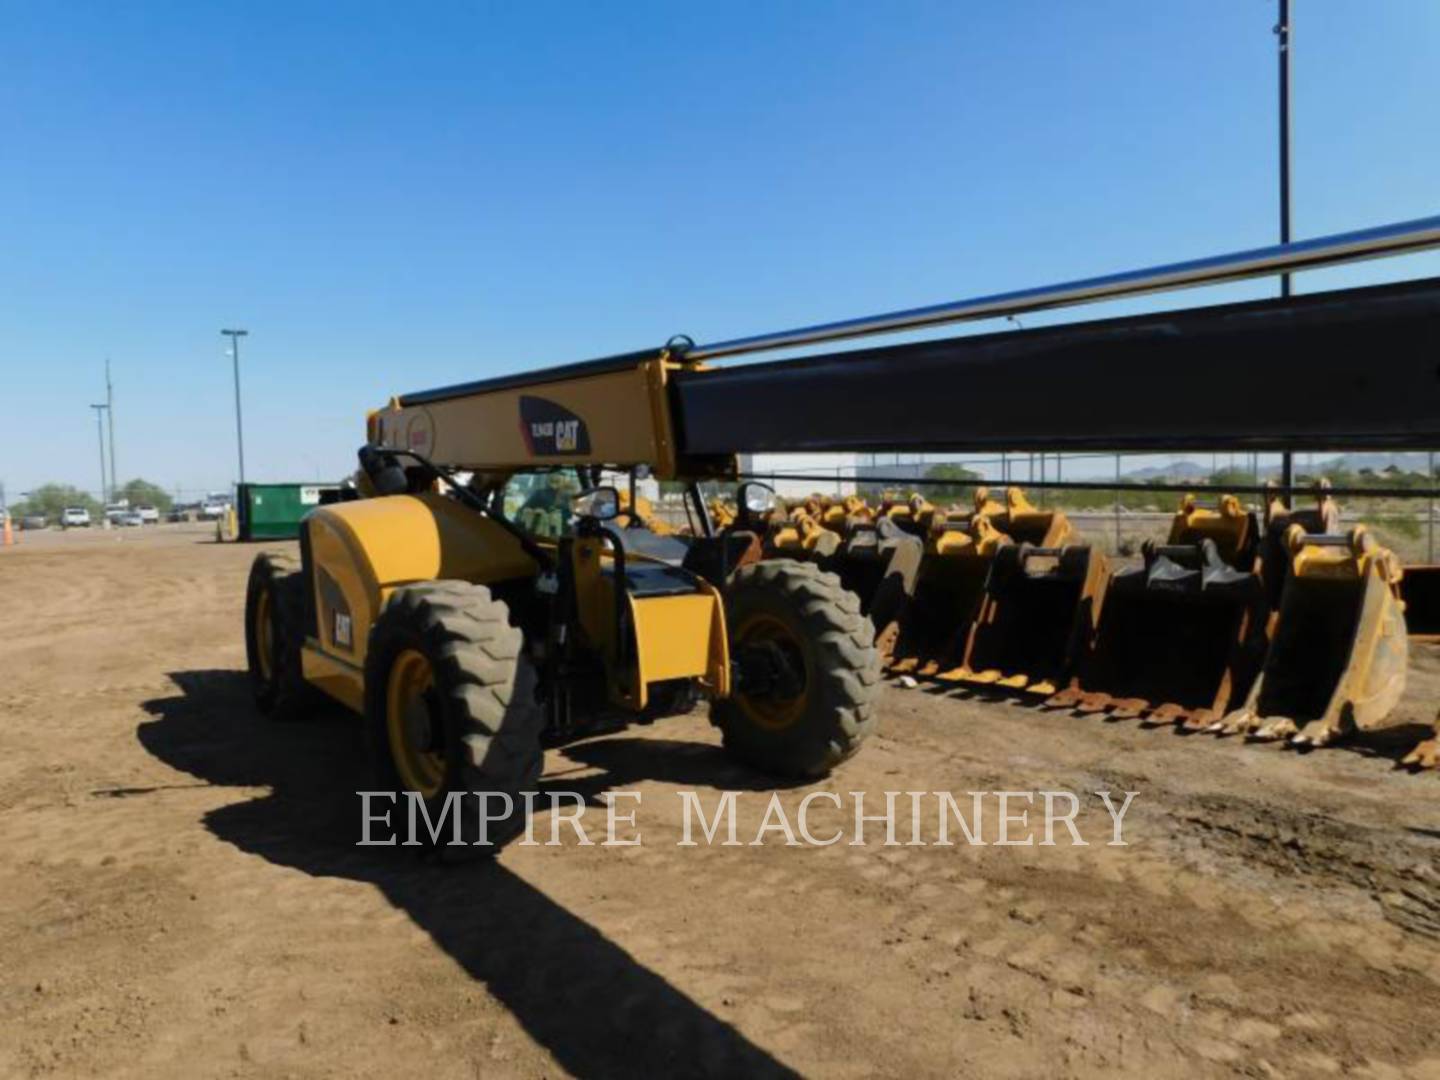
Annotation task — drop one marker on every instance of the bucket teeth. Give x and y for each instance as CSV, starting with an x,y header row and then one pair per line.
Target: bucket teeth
x,y
1068,698
1425,755
1093,703
1168,713
1279,727
1198,720
1179,715
1317,733
1128,708
1239,722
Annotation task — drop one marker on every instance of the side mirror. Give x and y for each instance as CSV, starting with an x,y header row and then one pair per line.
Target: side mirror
x,y
601,504
385,473
757,498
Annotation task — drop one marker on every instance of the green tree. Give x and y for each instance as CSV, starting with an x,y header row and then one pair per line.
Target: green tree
x,y
1231,478
50,499
959,482
143,493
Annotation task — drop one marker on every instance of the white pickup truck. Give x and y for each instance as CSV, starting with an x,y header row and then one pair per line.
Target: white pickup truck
x,y
75,517
212,509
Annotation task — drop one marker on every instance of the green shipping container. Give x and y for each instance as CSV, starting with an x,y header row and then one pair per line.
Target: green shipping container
x,y
273,511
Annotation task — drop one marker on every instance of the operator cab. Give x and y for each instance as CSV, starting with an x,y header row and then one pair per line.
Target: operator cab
x,y
547,505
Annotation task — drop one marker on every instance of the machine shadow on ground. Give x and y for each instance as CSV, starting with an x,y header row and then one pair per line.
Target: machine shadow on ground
x,y
594,1007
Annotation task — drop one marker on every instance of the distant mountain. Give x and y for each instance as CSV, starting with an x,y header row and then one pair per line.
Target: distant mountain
x,y
1417,462
1180,470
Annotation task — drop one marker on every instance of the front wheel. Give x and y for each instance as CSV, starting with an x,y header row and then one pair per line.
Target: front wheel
x,y
806,669
274,634
451,711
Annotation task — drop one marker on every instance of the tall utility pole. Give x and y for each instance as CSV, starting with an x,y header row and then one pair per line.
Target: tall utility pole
x,y
1282,34
110,413
100,431
235,336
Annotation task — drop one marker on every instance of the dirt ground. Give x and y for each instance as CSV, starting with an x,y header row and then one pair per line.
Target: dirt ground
x,y
181,894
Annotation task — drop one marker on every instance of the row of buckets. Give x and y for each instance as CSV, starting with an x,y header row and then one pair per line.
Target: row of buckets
x,y
1275,624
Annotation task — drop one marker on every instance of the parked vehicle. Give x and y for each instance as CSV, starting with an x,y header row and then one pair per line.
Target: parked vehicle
x,y
148,514
75,517
178,513
130,519
31,522
213,509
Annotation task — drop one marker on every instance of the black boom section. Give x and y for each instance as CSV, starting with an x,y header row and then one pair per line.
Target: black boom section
x,y
1352,368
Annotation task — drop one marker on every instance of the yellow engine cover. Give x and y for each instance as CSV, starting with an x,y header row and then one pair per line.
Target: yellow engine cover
x,y
362,551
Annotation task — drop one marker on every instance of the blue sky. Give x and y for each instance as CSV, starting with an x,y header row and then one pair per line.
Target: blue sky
x,y
395,196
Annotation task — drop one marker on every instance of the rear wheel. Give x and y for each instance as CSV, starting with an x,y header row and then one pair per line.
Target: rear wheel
x,y
450,706
274,633
807,670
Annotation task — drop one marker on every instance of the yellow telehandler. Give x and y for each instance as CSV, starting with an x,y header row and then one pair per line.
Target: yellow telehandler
x,y
477,597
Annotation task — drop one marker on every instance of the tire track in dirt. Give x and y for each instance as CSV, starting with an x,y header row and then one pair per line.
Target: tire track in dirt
x,y
1005,944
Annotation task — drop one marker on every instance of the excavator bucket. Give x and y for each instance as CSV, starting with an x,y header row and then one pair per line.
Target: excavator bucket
x,y
879,562
1180,638
797,533
934,629
1024,524
1038,615
930,634
723,513
1275,556
913,515
1337,660
841,515
643,516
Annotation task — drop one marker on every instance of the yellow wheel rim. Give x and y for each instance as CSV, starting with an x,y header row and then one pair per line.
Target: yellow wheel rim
x,y
264,636
772,712
411,726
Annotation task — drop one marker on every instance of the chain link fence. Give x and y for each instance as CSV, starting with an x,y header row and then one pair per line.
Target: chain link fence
x,y
1119,500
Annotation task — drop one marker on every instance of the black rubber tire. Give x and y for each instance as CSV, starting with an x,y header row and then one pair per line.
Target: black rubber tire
x,y
842,669
284,694
484,690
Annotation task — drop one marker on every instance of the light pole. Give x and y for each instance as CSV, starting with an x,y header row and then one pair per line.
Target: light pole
x,y
235,336
110,414
100,431
1282,33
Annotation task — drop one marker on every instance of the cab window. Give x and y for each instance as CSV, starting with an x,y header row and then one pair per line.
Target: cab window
x,y
540,502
